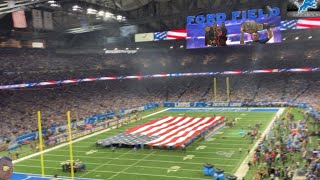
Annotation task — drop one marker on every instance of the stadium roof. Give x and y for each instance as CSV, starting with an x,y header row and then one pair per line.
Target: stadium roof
x,y
124,5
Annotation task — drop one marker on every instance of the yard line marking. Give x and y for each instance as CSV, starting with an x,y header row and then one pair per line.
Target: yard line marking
x,y
154,175
89,171
212,153
225,140
91,152
201,148
108,152
123,170
134,159
50,177
21,165
221,135
198,148
77,140
208,141
214,143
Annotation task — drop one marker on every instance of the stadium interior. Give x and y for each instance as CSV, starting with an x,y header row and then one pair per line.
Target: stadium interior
x,y
151,97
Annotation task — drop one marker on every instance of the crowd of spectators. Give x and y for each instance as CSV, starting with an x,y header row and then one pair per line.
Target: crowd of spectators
x,y
19,107
285,149
25,65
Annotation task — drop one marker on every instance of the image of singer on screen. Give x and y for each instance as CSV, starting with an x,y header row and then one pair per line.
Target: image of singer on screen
x,y
216,35
252,28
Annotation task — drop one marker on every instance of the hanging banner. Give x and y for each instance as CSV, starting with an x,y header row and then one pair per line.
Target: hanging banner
x,y
37,19
47,20
19,19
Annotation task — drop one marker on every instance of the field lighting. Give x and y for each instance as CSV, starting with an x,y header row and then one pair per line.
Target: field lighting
x,y
91,11
76,8
100,13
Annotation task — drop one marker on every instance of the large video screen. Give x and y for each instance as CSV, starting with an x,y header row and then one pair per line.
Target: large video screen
x,y
240,32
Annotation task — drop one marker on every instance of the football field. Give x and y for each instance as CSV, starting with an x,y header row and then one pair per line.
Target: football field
x,y
221,150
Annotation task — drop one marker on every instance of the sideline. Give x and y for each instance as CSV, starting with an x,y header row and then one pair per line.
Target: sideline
x,y
244,168
77,140
25,176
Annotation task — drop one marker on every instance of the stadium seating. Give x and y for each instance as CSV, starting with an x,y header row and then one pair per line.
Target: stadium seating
x,y
27,65
18,107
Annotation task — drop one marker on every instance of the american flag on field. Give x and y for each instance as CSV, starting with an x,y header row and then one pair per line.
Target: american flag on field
x,y
175,131
170,35
19,19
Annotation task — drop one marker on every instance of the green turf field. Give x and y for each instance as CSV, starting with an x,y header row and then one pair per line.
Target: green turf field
x,y
222,150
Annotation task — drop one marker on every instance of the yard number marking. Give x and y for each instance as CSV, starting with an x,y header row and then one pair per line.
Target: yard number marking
x,y
173,169
188,157
211,139
225,154
91,152
201,147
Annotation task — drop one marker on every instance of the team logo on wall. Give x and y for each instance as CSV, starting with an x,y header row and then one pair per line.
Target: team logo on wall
x,y
6,168
303,8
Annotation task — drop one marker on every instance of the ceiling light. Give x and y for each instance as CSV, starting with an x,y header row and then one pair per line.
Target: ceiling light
x,y
76,8
171,47
91,11
119,17
181,46
107,14
296,38
55,5
309,37
101,13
